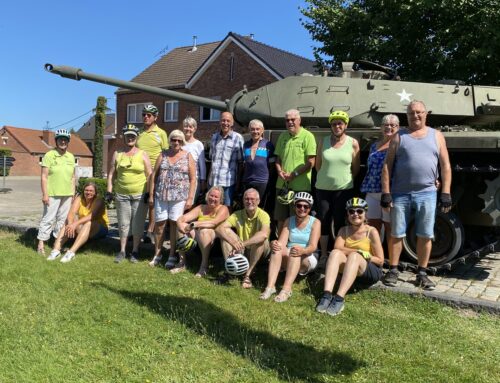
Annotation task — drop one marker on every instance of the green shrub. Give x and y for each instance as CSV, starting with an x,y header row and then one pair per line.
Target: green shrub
x,y
7,153
100,183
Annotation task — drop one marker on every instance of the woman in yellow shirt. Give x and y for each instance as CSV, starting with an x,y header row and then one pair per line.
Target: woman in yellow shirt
x,y
87,219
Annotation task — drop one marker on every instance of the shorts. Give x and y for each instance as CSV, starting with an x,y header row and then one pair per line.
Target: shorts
x,y
313,263
171,210
422,204
375,211
372,275
101,233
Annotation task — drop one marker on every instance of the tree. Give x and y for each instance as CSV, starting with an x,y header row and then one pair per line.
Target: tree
x,y
424,40
100,122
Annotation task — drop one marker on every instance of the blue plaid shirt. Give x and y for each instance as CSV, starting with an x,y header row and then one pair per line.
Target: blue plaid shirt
x,y
226,154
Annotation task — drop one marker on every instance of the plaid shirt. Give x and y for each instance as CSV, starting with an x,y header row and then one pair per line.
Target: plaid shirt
x,y
226,154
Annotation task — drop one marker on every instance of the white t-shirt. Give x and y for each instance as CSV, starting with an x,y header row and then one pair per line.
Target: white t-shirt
x,y
198,152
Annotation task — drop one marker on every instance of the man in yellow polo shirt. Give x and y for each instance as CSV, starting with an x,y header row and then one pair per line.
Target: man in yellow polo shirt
x,y
152,140
251,238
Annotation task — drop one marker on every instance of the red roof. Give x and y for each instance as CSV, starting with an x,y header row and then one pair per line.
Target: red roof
x,y
32,141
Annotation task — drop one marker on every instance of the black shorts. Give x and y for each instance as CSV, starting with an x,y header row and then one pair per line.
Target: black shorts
x,y
372,275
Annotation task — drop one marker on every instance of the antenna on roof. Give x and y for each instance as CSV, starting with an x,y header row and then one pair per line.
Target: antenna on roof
x,y
162,52
194,47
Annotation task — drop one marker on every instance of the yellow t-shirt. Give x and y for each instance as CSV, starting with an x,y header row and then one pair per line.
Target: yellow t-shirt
x,y
61,170
84,211
153,142
130,176
247,227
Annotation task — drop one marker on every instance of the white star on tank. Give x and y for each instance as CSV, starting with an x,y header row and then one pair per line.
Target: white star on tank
x,y
404,96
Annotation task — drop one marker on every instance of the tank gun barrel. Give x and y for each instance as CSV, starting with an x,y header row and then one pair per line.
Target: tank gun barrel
x,y
78,74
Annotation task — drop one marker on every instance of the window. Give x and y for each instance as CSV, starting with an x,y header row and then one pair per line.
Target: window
x,y
134,112
171,111
207,114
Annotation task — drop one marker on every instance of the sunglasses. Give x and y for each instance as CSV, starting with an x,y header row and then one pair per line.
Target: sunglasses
x,y
148,115
290,119
304,206
176,140
355,211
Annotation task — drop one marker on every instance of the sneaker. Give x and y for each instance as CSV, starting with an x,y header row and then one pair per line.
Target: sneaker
x,y
53,255
267,293
178,268
424,281
68,257
120,257
391,278
324,302
335,307
171,261
155,261
133,257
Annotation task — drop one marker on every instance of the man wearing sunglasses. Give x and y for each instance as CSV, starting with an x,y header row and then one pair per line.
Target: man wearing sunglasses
x,y
152,140
409,178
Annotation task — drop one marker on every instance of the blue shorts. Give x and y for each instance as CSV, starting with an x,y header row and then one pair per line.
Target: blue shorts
x,y
101,233
421,205
228,194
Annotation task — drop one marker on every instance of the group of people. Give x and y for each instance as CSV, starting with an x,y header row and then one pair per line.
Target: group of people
x,y
165,175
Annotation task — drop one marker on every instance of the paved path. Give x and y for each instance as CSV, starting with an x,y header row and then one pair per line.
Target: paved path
x,y
475,284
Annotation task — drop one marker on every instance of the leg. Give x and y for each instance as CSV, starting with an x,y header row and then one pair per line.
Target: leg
x,y
159,232
173,239
277,258
335,264
124,213
45,227
85,231
138,217
205,238
61,239
424,247
324,201
256,252
355,265
62,214
151,225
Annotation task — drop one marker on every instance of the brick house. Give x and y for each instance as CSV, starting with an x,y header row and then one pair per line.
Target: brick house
x,y
216,70
29,146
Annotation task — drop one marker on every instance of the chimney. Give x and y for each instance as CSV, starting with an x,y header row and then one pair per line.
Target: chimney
x,y
194,48
251,36
45,136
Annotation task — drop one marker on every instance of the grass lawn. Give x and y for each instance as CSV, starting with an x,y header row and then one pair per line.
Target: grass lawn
x,y
94,321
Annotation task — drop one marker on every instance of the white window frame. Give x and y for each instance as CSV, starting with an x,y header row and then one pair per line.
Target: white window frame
x,y
171,115
214,113
137,112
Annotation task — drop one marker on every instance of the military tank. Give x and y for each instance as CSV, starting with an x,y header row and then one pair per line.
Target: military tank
x,y
367,91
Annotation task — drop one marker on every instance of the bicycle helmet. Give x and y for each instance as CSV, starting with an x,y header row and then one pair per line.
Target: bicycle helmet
x,y
130,129
356,203
185,243
339,115
62,133
237,264
303,196
285,196
150,109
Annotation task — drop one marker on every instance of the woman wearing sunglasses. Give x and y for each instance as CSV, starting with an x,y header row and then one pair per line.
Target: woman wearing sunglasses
x,y
294,251
357,255
172,191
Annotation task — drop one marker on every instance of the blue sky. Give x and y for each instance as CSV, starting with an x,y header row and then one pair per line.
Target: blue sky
x,y
118,39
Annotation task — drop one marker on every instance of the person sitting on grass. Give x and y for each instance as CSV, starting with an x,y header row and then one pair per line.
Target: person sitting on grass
x,y
357,255
87,219
253,226
294,251
200,223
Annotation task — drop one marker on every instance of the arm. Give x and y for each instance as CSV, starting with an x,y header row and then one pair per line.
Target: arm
x,y
258,237
355,164
202,168
319,154
312,245
192,182
388,165
376,247
111,174
183,221
311,160
44,178
221,216
444,163
152,179
147,169
71,223
225,233
279,170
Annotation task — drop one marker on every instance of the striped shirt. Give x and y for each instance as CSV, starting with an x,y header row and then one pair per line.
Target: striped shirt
x,y
226,154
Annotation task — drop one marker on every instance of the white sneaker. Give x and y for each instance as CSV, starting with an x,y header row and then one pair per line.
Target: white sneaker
x,y
156,261
68,257
53,255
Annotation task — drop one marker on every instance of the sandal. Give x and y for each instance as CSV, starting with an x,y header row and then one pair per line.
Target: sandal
x,y
201,273
246,283
267,293
156,261
179,268
283,296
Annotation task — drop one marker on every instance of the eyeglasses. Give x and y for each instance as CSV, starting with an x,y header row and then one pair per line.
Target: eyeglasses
x,y
176,140
148,115
355,211
303,206
391,125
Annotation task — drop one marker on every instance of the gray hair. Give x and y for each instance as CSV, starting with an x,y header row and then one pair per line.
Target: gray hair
x,y
416,102
294,112
388,117
256,122
178,134
251,190
218,188
190,121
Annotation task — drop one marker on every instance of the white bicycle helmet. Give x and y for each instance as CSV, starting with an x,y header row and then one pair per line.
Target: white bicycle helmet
x,y
237,264
62,133
303,196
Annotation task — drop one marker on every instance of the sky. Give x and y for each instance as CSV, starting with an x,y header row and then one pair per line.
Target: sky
x,y
116,38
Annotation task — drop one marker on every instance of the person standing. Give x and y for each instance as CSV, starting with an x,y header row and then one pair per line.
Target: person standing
x,y
152,140
409,180
337,164
257,153
58,188
197,150
295,158
226,154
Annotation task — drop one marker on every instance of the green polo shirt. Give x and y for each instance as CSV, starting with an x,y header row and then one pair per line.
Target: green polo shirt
x,y
247,227
153,142
61,170
293,152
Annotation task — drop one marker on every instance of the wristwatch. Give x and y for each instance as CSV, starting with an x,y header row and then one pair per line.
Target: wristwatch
x,y
296,173
191,225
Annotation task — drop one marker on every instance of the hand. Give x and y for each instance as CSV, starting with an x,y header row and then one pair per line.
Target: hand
x,y
296,251
108,197
276,246
281,174
445,202
188,205
239,247
45,200
146,198
386,200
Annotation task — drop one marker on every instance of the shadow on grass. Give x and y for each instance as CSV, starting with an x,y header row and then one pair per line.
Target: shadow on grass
x,y
290,359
